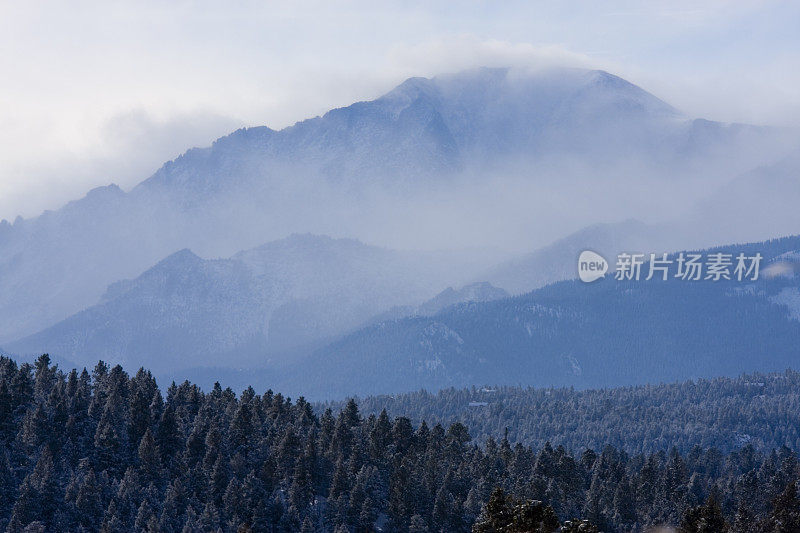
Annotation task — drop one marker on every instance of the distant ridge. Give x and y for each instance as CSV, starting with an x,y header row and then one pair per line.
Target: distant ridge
x,y
604,334
247,310
416,162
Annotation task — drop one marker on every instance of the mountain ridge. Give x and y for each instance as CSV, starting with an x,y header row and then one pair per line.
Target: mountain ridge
x,y
243,310
606,333
415,163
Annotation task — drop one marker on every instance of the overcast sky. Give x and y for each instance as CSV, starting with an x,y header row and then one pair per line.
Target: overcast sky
x,y
98,92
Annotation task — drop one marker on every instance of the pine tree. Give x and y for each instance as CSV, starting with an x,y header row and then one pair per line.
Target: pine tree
x,y
706,518
301,491
496,516
367,517
7,486
6,413
505,514
417,524
210,519
241,434
444,510
380,436
217,482
89,501
624,503
144,516
308,526
112,523
149,459
743,521
785,516
233,503
400,502
174,507
110,441
290,521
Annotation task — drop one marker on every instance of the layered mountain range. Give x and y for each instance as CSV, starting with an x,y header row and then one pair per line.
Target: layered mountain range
x,y
246,310
455,181
603,334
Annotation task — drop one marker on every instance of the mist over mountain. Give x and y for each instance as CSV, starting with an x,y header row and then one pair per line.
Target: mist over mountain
x,y
480,291
758,204
247,310
506,158
607,333
413,268
474,292
557,261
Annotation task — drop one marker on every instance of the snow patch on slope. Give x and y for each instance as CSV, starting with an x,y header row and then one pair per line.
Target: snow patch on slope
x,y
790,297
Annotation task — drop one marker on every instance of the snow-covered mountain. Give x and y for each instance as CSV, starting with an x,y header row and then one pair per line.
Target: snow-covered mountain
x,y
248,310
601,334
474,292
482,157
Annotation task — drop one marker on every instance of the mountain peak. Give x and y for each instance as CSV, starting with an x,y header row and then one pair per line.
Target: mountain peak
x,y
481,291
98,196
421,87
430,127
410,88
184,257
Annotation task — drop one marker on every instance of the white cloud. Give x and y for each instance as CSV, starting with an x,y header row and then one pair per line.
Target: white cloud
x,y
123,149
468,51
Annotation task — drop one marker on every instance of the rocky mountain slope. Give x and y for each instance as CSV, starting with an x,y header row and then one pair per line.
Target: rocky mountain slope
x,y
251,309
468,157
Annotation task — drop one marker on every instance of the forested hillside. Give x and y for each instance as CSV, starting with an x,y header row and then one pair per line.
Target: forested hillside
x,y
108,452
608,333
762,410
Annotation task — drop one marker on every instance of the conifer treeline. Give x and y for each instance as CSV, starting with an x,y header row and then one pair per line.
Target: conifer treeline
x,y
107,452
725,413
